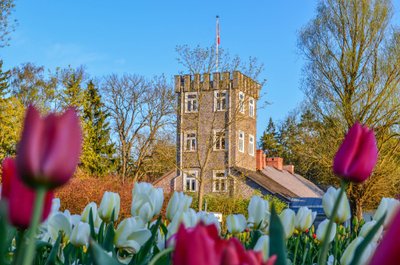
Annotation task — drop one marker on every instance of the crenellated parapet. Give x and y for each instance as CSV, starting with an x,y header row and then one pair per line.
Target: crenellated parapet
x,y
217,81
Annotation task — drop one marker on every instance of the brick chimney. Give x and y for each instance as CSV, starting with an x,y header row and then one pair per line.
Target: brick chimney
x,y
289,168
260,159
276,162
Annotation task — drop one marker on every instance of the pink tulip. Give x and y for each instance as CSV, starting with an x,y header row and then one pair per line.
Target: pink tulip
x,y
20,197
49,149
357,156
388,250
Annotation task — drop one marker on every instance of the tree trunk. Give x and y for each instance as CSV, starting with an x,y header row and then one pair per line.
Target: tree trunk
x,y
356,208
200,195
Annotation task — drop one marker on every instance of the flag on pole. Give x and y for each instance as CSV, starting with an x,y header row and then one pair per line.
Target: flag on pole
x,y
217,30
217,42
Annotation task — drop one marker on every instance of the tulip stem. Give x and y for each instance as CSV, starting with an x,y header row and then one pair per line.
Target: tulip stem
x,y
336,248
160,255
325,244
296,248
37,214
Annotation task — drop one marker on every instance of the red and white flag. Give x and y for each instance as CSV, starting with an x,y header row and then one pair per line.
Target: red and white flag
x,y
217,31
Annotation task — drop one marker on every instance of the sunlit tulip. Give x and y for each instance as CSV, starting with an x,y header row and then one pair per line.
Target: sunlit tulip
x,y
304,218
262,245
236,223
80,235
357,156
258,211
321,231
179,202
367,227
388,206
131,234
287,217
109,203
328,201
147,201
208,219
85,213
59,222
49,150
20,197
348,254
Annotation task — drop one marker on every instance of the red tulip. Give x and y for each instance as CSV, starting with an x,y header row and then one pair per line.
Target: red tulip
x,y
202,245
357,156
20,197
387,251
49,149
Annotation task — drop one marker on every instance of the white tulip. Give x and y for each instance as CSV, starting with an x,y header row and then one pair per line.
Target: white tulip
x,y
59,222
131,234
262,245
388,206
258,210
236,223
328,201
348,254
304,218
208,219
85,213
287,218
367,227
179,202
55,206
109,203
80,235
147,201
322,230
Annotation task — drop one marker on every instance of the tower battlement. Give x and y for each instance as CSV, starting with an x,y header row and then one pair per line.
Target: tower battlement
x,y
217,81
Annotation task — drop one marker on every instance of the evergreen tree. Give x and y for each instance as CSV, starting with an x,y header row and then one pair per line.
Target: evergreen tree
x,y
73,93
4,81
98,149
268,141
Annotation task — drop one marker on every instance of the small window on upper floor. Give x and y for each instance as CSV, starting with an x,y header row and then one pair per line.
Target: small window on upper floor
x,y
191,102
251,107
241,102
220,100
190,141
251,145
241,141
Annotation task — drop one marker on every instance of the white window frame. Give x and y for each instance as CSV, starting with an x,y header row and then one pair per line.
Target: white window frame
x,y
252,109
251,145
241,102
193,145
217,181
241,141
219,100
194,173
220,140
187,100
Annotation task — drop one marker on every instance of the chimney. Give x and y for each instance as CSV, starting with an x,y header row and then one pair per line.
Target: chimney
x,y
276,162
289,168
260,160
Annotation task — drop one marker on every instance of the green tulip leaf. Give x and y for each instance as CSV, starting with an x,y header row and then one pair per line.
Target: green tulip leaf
x,y
91,224
51,260
100,256
277,238
142,257
254,236
108,243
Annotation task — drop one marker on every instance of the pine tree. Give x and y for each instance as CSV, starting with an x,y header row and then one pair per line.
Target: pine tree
x,y
269,142
4,81
98,150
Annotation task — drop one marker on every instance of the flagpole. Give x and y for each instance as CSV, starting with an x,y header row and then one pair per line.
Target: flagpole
x,y
217,40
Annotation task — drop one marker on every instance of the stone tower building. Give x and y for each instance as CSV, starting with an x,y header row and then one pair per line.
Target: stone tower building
x,y
216,130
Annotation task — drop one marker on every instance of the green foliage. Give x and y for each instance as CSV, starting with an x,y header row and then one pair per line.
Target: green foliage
x,y
269,141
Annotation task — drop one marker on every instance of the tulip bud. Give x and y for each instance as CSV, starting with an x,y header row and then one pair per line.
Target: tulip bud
x,y
367,227
109,203
287,217
147,201
348,254
131,234
262,245
322,230
258,210
236,223
85,214
80,235
179,202
304,218
388,206
357,156
328,201
49,150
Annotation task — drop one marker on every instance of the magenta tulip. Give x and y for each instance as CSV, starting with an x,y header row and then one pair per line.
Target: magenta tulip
x,y
49,149
20,197
357,156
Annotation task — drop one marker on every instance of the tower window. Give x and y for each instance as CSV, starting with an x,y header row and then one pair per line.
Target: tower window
x,y
191,102
220,99
190,141
241,102
219,140
241,141
190,180
251,145
251,107
220,181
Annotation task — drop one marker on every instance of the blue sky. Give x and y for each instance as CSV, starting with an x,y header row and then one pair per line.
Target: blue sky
x,y
127,36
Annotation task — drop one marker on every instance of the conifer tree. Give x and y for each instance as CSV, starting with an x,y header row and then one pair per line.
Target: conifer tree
x,y
268,141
